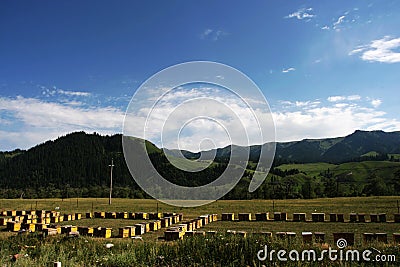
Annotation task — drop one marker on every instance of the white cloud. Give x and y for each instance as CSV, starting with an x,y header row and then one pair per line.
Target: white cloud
x,y
212,34
343,98
376,103
303,13
338,22
73,93
288,70
325,28
380,50
43,120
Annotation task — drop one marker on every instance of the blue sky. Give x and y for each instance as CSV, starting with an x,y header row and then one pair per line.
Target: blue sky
x,y
325,67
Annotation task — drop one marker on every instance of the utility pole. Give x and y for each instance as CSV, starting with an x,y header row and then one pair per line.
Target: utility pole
x,y
111,179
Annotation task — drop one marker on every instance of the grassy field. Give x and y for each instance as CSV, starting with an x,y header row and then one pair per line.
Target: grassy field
x,y
154,252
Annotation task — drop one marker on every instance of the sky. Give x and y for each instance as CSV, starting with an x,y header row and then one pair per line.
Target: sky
x,y
326,68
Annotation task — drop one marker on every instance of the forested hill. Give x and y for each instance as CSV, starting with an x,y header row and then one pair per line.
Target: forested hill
x,y
78,165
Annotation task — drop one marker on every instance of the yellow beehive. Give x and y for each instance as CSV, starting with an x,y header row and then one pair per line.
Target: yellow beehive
x,y
13,226
153,226
50,231
12,213
100,214
68,228
183,227
104,232
3,213
78,216
142,215
204,219
54,219
67,217
131,215
40,226
165,222
21,212
27,221
244,216
83,230
173,235
131,230
175,219
3,221
89,215
155,215
34,220
124,232
31,227
72,217
32,212
111,215
122,215
146,226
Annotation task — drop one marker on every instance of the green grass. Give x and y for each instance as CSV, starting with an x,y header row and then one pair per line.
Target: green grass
x,y
211,251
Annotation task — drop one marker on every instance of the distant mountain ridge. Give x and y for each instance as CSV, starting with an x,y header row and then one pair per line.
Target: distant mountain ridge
x,y
331,150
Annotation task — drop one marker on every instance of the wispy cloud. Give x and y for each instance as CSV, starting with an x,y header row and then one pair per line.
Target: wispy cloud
x,y
302,13
376,103
212,34
380,50
288,70
47,119
338,22
56,91
343,98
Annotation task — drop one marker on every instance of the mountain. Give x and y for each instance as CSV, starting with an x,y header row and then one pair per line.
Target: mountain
x,y
78,164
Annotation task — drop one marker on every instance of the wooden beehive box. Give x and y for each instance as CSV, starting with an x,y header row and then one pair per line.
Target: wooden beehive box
x,y
396,238
153,226
228,216
183,227
131,230
100,214
382,217
84,230
353,217
50,231
263,216
122,215
142,215
361,217
155,215
189,226
132,215
140,229
67,217
78,216
103,232
40,227
318,217
54,219
13,226
3,221
72,217
165,222
307,237
332,217
11,213
175,219
169,214
124,232
31,227
111,215
381,237
21,212
180,216
68,228
173,235
244,216
374,218
349,237
3,213
204,219
89,215
397,217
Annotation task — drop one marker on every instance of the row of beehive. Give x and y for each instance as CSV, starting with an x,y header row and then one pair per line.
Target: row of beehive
x,y
45,219
189,228
315,217
132,215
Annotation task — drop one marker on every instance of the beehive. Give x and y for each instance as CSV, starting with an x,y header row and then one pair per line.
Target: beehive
x,y
132,215
349,237
31,227
180,216
361,217
27,221
46,220
183,227
332,217
155,215
382,217
283,216
318,217
142,215
131,230
11,213
263,216
374,218
111,215
13,226
307,237
21,212
280,235
50,231
175,219
78,216
397,217
68,228
170,220
230,232
67,217
189,226
40,227
3,213
3,221
204,219
164,222
103,232
369,237
228,216
169,214
60,218
153,226
54,219
381,237
100,214
319,237
277,216
146,226
210,218
83,230
140,229
124,232
340,217
353,217
89,215
72,217
299,217
244,216
290,235
199,223
173,235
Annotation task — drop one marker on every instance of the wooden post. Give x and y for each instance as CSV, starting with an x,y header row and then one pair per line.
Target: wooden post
x,y
111,180
398,207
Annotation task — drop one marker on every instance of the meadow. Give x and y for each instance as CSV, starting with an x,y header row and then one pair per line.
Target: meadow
x,y
215,250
